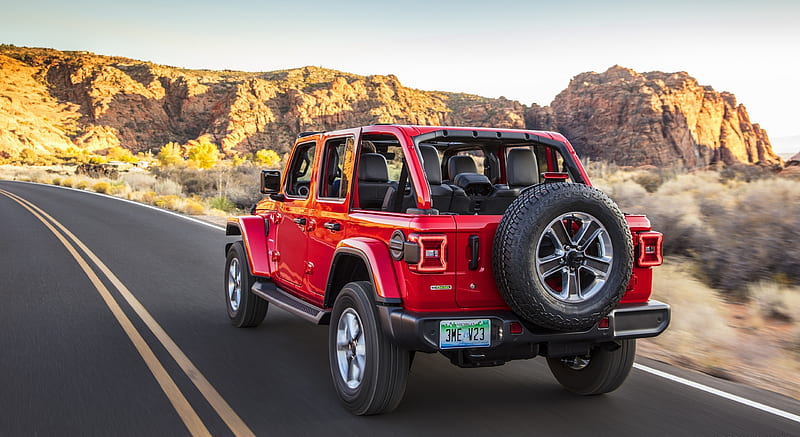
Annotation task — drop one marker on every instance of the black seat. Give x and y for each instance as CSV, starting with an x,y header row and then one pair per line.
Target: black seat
x,y
373,180
459,164
521,172
441,195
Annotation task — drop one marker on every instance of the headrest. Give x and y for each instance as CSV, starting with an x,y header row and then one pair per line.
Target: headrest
x,y
373,168
367,147
473,183
460,164
521,168
430,160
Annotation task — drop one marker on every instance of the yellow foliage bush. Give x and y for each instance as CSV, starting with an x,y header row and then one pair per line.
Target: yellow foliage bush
x,y
192,207
167,202
67,183
149,197
81,185
102,187
56,181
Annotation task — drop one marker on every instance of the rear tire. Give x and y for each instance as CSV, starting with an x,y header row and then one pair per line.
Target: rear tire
x,y
604,371
245,309
369,371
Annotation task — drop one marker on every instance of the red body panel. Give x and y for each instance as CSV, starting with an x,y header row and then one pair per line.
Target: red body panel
x,y
254,236
377,255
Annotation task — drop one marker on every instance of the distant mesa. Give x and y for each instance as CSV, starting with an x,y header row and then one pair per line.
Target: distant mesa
x,y
53,100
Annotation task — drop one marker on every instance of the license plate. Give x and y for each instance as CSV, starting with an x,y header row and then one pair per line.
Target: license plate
x,y
465,333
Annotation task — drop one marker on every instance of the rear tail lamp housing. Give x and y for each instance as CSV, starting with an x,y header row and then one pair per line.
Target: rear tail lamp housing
x,y
426,253
650,249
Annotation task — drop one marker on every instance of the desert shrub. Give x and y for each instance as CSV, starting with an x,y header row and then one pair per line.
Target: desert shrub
x,y
167,202
56,181
67,182
81,185
192,207
102,187
139,181
148,197
222,203
167,187
746,173
738,232
199,183
776,302
756,236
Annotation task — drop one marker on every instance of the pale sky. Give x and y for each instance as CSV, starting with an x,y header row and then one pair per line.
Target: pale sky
x,y
523,50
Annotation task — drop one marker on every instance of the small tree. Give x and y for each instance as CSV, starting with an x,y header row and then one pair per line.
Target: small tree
x,y
118,153
170,154
202,152
238,160
268,157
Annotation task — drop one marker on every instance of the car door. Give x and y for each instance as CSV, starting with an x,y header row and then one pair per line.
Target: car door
x,y
292,220
331,200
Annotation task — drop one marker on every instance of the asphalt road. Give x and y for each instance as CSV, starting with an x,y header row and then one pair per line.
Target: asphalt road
x,y
67,367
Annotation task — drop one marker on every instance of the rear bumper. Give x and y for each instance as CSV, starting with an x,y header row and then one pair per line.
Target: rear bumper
x,y
420,331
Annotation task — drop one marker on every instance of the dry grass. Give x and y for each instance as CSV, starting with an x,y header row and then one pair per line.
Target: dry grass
x,y
697,311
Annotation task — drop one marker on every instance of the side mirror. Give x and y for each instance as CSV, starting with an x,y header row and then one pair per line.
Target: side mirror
x,y
270,181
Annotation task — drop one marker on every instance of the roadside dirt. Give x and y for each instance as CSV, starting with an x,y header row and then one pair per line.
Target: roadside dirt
x,y
732,341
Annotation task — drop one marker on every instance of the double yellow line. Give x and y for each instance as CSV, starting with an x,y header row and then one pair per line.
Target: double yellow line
x,y
179,402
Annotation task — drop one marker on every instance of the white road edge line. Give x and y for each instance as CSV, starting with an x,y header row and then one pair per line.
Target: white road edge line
x,y
665,375
720,393
144,205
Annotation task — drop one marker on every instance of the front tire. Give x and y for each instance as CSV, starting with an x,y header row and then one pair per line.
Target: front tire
x,y
245,309
603,371
369,371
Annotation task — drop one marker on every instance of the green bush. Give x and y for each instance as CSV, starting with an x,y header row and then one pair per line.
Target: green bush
x,y
222,203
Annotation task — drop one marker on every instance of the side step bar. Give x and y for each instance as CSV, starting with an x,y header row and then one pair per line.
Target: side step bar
x,y
269,291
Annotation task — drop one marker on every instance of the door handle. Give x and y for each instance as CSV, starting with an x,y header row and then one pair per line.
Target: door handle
x,y
473,258
332,226
300,221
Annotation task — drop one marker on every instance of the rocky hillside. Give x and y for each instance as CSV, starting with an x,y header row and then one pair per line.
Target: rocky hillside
x,y
52,100
59,99
653,118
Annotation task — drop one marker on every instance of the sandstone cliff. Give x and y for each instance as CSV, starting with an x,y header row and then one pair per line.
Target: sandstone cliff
x,y
654,118
52,100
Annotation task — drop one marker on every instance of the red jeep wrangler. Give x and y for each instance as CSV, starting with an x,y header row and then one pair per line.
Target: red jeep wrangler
x,y
486,245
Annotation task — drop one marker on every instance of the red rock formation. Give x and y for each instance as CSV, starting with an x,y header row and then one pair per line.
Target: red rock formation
x,y
656,118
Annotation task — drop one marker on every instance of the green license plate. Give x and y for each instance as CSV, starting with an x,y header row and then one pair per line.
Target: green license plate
x,y
465,333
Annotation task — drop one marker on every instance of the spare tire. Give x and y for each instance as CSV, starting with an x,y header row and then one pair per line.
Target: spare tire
x,y
562,255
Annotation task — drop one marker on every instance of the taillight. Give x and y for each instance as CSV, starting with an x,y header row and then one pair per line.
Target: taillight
x,y
650,249
431,256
